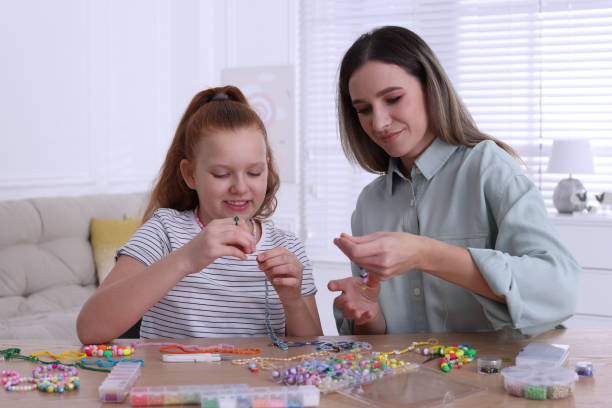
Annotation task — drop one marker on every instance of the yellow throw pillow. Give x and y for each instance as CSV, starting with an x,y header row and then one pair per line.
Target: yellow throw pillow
x,y
107,236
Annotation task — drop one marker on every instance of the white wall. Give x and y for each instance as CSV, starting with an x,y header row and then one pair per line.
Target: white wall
x,y
91,91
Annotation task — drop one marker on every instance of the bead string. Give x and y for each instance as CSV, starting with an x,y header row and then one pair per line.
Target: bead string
x,y
277,342
99,350
267,363
66,355
15,353
179,349
363,274
111,362
138,344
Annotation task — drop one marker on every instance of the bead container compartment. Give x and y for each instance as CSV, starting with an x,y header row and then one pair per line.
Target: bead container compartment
x,y
254,397
118,382
178,394
539,383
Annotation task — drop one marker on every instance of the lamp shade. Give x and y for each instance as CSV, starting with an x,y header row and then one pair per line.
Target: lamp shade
x,y
571,156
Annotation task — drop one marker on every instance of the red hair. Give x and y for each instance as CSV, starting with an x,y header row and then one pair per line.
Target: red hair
x,y
211,110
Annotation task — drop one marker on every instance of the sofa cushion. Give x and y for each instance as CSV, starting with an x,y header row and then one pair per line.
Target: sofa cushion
x,y
107,236
46,260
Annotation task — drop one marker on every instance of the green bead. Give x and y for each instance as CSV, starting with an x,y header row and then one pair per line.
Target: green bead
x,y
236,219
537,393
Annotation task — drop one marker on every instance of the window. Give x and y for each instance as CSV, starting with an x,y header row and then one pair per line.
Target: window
x,y
529,72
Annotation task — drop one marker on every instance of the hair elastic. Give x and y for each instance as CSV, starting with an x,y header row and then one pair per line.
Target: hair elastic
x,y
219,97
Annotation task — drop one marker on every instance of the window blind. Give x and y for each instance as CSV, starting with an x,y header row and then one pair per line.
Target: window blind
x,y
529,72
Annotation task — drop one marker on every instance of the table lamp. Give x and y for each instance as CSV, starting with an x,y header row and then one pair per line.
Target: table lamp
x,y
570,156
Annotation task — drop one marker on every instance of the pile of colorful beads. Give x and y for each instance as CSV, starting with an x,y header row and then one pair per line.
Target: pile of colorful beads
x,y
94,350
456,356
453,356
341,371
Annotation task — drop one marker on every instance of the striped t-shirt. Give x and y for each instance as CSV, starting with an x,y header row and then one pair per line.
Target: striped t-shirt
x,y
225,299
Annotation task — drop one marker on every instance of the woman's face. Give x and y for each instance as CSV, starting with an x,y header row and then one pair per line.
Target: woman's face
x,y
229,172
391,107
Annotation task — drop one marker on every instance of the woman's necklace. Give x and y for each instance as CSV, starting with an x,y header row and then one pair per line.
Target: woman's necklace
x,y
277,342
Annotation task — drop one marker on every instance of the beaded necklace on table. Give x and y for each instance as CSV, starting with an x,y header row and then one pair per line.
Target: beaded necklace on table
x,y
277,342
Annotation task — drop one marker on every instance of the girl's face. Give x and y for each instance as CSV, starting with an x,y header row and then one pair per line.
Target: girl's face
x,y
391,107
229,173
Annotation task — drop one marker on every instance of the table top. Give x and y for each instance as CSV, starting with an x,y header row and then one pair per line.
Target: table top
x,y
585,345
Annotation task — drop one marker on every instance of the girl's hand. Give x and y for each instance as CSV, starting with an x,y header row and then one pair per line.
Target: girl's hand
x,y
284,270
383,254
356,303
221,237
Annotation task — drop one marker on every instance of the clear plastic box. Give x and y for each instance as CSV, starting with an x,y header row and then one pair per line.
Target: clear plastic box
x,y
118,382
422,387
177,394
296,396
539,383
489,365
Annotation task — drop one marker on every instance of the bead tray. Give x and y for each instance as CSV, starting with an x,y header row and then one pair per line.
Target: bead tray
x,y
118,382
177,394
539,383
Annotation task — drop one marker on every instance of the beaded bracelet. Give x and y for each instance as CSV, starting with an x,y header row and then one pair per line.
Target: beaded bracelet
x,y
11,380
67,380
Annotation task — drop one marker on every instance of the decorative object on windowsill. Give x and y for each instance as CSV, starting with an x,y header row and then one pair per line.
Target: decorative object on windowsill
x,y
570,156
605,201
604,198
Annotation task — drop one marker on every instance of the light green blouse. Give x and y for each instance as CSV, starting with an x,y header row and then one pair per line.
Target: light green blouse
x,y
477,198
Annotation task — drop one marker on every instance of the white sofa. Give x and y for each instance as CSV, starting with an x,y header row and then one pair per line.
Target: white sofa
x,y
47,268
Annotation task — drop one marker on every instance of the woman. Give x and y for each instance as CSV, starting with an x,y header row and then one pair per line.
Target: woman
x,y
454,236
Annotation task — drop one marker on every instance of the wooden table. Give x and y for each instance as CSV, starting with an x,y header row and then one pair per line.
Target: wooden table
x,y
593,345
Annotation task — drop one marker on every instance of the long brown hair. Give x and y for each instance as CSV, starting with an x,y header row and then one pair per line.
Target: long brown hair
x,y
448,117
211,110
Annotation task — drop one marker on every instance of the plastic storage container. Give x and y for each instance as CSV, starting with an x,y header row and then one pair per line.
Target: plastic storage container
x,y
489,365
118,382
539,383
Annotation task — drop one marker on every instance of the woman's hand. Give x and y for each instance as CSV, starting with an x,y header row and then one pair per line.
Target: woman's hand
x,y
383,254
220,237
284,270
356,303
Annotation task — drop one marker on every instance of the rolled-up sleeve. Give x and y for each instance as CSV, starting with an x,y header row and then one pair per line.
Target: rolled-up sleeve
x,y
528,265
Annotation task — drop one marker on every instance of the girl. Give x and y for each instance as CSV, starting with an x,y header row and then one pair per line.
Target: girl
x,y
454,236
197,266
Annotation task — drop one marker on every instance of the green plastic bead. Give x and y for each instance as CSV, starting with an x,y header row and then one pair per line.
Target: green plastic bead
x,y
537,393
445,368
